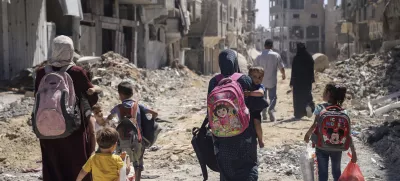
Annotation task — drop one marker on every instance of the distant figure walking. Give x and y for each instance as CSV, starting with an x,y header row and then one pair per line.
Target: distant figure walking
x,y
271,61
301,82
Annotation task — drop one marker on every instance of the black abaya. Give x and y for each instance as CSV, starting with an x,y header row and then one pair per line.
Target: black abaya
x,y
301,81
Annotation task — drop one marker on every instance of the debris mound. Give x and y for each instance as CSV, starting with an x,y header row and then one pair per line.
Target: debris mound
x,y
385,140
369,75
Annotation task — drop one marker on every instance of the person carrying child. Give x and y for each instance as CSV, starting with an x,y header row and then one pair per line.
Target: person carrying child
x,y
129,125
331,132
256,101
104,165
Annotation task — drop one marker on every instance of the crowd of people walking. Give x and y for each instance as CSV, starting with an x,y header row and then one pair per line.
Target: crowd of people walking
x,y
68,124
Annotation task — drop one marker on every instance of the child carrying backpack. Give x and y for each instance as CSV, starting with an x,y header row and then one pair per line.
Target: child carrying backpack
x,y
129,114
331,132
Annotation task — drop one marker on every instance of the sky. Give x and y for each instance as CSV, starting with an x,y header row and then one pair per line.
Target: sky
x,y
263,12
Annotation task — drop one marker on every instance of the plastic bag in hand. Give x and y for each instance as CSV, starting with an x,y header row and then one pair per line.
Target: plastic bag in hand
x,y
352,173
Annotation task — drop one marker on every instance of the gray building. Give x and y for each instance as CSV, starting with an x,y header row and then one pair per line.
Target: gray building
x,y
221,24
147,32
333,15
295,21
261,35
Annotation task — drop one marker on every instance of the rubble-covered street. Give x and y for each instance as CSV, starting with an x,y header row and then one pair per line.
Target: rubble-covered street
x,y
179,95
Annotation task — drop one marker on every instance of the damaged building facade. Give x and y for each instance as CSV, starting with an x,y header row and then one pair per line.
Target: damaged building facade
x,y
367,25
295,21
28,27
220,24
262,34
147,32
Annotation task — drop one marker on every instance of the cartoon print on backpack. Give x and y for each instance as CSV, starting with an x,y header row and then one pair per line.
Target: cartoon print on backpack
x,y
228,114
335,130
225,119
336,136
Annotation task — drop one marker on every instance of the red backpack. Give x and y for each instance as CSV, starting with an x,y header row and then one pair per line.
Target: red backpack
x,y
333,129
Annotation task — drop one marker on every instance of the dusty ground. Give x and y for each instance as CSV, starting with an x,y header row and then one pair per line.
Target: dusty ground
x,y
172,158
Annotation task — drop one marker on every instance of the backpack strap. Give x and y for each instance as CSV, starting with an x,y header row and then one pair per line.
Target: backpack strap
x,y
66,68
333,108
219,77
236,76
48,69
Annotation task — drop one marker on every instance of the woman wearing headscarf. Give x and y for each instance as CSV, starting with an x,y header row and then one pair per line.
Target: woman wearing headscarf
x,y
62,159
301,82
236,156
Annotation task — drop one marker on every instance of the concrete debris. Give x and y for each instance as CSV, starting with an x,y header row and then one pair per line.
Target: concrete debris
x,y
321,62
385,140
387,107
368,76
20,107
284,160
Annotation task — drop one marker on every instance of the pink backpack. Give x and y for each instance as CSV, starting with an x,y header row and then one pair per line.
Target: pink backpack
x,y
228,115
56,112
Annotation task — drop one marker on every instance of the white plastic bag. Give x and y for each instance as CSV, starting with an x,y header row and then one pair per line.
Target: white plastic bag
x,y
123,176
308,164
122,172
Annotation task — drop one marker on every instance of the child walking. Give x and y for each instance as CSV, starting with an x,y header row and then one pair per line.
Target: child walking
x,y
335,136
134,148
256,99
104,165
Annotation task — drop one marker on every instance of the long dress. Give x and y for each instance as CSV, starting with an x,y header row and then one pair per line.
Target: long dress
x,y
62,159
301,81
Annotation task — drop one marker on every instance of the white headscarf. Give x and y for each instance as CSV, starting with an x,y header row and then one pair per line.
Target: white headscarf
x,y
62,51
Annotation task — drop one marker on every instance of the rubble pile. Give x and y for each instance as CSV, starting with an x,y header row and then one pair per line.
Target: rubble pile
x,y
385,140
20,107
108,73
369,75
148,83
283,160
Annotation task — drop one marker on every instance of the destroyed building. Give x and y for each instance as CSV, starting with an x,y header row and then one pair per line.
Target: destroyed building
x,y
220,24
366,25
147,32
262,34
333,14
295,21
27,28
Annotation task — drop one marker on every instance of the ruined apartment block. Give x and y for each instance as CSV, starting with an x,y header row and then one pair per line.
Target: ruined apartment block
x,y
147,32
333,15
295,21
221,24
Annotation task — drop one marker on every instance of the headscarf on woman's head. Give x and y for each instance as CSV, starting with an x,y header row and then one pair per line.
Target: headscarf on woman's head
x,y
302,66
303,54
62,51
301,48
228,62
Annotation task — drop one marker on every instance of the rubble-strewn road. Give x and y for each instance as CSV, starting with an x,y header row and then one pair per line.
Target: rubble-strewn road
x,y
179,96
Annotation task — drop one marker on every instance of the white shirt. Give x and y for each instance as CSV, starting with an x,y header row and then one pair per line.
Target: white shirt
x,y
271,61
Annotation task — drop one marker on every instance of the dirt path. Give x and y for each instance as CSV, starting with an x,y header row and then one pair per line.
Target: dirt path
x,y
172,158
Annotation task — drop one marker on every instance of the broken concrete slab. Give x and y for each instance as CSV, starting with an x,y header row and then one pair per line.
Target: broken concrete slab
x,y
321,62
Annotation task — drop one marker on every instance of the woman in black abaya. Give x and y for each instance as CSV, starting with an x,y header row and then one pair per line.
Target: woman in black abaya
x,y
301,82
